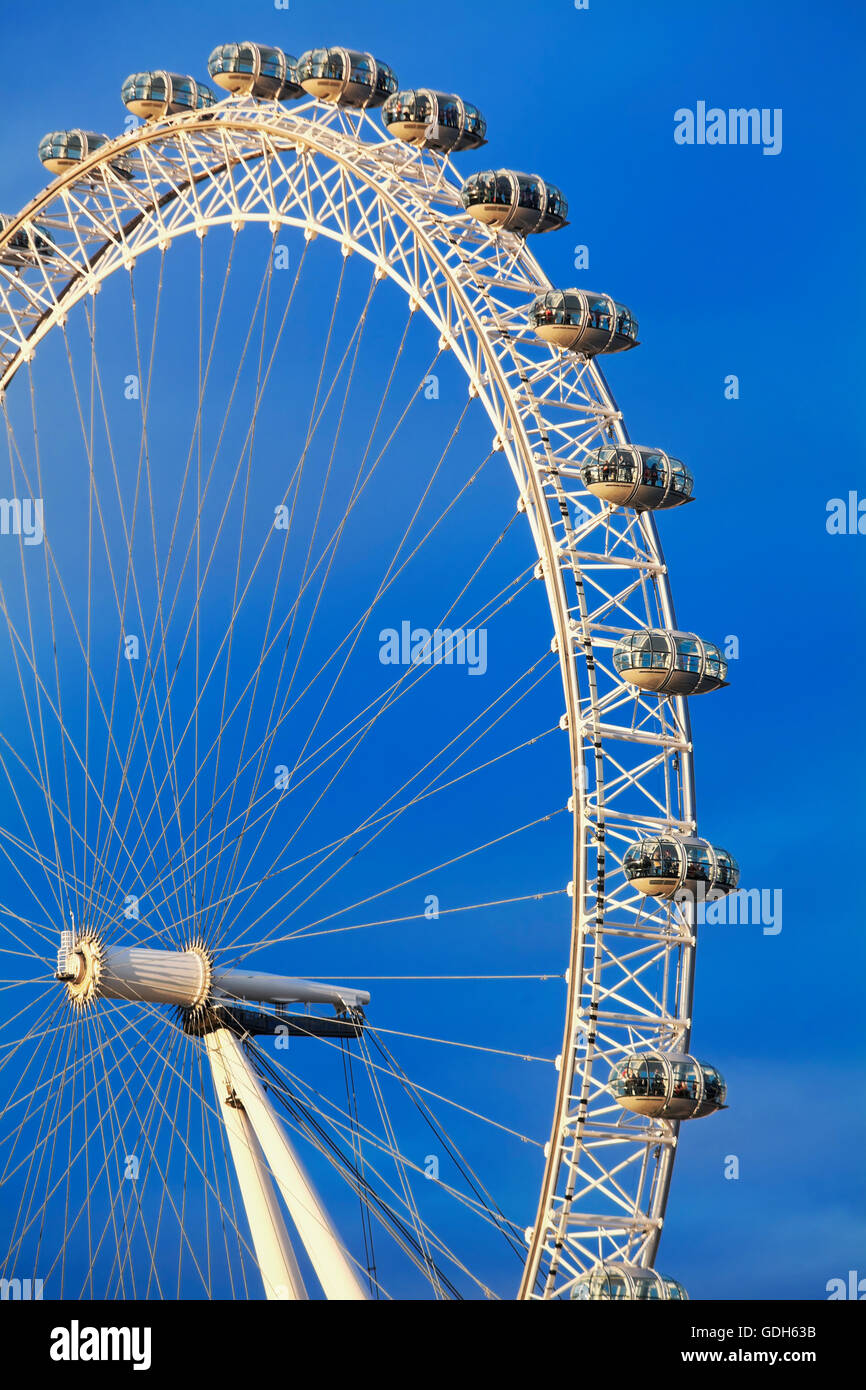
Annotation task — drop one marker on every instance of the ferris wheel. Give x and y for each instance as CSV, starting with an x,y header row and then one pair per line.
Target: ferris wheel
x,y
348,817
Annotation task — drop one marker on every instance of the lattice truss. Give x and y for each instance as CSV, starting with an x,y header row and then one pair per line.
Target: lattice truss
x,y
334,173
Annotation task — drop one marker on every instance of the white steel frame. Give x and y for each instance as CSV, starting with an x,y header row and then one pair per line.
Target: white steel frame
x,y
334,173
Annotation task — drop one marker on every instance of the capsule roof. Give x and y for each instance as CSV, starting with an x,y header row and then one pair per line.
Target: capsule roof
x,y
346,77
434,120
615,1281
583,321
513,201
154,94
669,663
255,70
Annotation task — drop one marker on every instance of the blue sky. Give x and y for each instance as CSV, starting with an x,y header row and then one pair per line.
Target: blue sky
x,y
734,263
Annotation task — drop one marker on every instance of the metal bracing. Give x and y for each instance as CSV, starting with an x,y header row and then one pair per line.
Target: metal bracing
x,y
332,173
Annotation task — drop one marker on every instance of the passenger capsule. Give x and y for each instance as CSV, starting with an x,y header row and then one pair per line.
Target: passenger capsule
x,y
669,865
515,202
667,1086
26,245
626,1281
153,95
434,120
63,149
629,475
670,663
352,79
582,321
253,69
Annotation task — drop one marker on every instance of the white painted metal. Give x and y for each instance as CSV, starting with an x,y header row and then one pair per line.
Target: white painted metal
x,y
276,1259
286,989
335,174
184,978
334,1268
155,977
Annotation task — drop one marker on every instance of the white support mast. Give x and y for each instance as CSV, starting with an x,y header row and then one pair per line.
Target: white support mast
x,y
233,1076
276,1258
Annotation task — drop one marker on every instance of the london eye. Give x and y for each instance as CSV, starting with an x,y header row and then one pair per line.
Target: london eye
x,y
345,723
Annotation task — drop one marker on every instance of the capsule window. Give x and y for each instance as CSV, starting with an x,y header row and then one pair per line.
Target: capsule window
x,y
403,107
624,322
654,470
272,63
600,314
362,71
631,1079
325,65
449,113
556,310
715,1089
657,1080
530,194
664,860
642,1076
647,1288
685,1080
386,82
681,480
556,204
653,859
474,119
654,653
688,654
619,467
699,860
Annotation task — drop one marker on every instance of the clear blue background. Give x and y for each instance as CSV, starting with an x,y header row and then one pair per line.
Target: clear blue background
x,y
734,262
